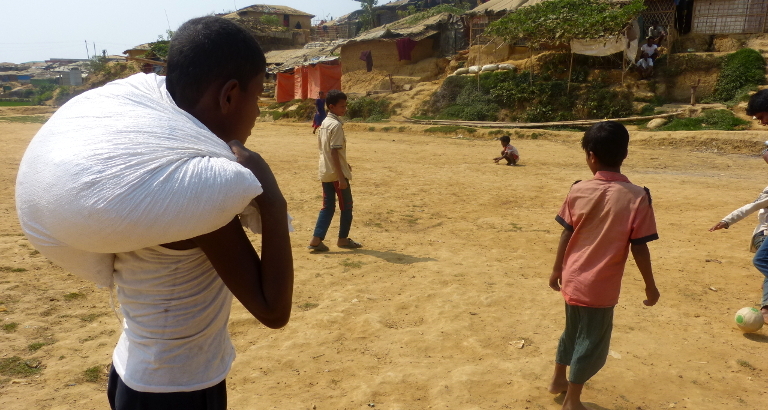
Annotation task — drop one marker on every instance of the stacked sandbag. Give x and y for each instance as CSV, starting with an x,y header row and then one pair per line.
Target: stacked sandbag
x,y
474,69
489,68
461,71
506,67
120,168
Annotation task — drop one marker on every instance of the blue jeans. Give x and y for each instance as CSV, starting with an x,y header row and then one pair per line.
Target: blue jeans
x,y
761,263
331,191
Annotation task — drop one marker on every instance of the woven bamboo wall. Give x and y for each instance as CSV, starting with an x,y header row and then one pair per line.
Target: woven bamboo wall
x,y
730,16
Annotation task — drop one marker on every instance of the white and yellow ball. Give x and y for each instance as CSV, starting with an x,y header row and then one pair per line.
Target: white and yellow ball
x,y
749,319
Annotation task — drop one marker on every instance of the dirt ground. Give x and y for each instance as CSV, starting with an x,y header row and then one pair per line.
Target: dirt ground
x,y
453,275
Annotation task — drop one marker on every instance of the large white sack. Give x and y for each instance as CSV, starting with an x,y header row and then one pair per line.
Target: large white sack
x,y
489,67
121,168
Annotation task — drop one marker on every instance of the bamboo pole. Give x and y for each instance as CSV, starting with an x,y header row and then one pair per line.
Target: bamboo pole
x,y
493,124
623,65
570,72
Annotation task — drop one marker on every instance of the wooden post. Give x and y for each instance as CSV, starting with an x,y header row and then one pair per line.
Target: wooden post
x,y
570,72
623,65
693,92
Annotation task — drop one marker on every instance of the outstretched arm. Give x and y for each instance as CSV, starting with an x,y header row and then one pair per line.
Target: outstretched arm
x,y
264,286
643,260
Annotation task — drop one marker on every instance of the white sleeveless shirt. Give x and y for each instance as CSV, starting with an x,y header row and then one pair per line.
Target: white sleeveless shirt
x,y
176,310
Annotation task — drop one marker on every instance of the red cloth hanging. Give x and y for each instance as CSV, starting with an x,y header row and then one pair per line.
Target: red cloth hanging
x,y
404,48
368,58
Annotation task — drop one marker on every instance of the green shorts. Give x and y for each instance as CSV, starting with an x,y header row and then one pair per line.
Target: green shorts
x,y
585,341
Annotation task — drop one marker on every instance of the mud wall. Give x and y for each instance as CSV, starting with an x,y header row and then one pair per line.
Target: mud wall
x,y
385,55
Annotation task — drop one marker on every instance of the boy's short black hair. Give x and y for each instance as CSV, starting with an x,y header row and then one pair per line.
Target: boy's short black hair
x,y
609,141
333,97
758,103
206,50
505,139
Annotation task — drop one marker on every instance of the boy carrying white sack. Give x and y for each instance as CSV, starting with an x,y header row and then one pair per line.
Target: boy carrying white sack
x,y
140,183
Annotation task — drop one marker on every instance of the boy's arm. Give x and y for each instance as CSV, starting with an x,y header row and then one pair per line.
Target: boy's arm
x,y
264,286
741,213
337,168
555,279
643,260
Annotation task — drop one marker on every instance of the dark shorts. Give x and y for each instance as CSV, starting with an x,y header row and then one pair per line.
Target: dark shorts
x,y
585,341
122,397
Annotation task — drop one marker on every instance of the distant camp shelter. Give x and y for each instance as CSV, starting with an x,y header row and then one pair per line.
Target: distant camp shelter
x,y
302,73
439,35
703,16
137,51
288,16
730,16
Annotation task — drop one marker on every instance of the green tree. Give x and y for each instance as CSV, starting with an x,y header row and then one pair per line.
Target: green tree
x,y
368,18
560,21
270,20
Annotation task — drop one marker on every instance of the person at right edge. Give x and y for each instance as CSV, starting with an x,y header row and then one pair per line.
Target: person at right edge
x,y
602,218
758,108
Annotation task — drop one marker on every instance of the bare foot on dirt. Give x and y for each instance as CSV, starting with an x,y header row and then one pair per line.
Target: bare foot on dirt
x,y
558,386
574,406
764,311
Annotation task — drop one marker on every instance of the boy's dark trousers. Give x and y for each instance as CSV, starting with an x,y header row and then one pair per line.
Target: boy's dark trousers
x,y
331,191
122,397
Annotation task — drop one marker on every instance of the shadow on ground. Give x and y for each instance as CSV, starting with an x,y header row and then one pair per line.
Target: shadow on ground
x,y
394,257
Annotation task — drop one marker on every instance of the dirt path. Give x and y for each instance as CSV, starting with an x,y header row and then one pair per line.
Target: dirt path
x,y
454,272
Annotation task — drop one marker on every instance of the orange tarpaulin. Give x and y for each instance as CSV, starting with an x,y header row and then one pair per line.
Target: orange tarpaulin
x,y
300,82
323,77
284,88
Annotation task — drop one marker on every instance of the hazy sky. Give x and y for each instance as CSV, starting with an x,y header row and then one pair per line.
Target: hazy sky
x,y
36,30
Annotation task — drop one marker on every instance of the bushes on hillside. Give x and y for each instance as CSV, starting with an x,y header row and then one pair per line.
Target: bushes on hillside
x,y
368,109
537,99
741,70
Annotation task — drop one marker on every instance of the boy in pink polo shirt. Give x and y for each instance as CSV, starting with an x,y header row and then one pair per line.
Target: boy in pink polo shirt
x,y
603,219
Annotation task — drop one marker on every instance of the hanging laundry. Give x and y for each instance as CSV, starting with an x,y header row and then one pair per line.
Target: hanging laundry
x,y
404,48
368,58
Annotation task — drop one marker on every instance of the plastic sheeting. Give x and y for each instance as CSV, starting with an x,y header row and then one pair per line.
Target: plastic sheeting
x,y
300,82
323,77
306,81
284,87
611,45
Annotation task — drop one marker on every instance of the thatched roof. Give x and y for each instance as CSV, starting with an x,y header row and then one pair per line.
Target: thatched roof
x,y
402,28
270,9
506,6
280,60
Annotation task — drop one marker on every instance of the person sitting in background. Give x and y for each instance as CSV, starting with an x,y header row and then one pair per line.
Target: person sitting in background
x,y
648,53
657,33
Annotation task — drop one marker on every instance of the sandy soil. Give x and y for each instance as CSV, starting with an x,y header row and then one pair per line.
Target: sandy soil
x,y
454,272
